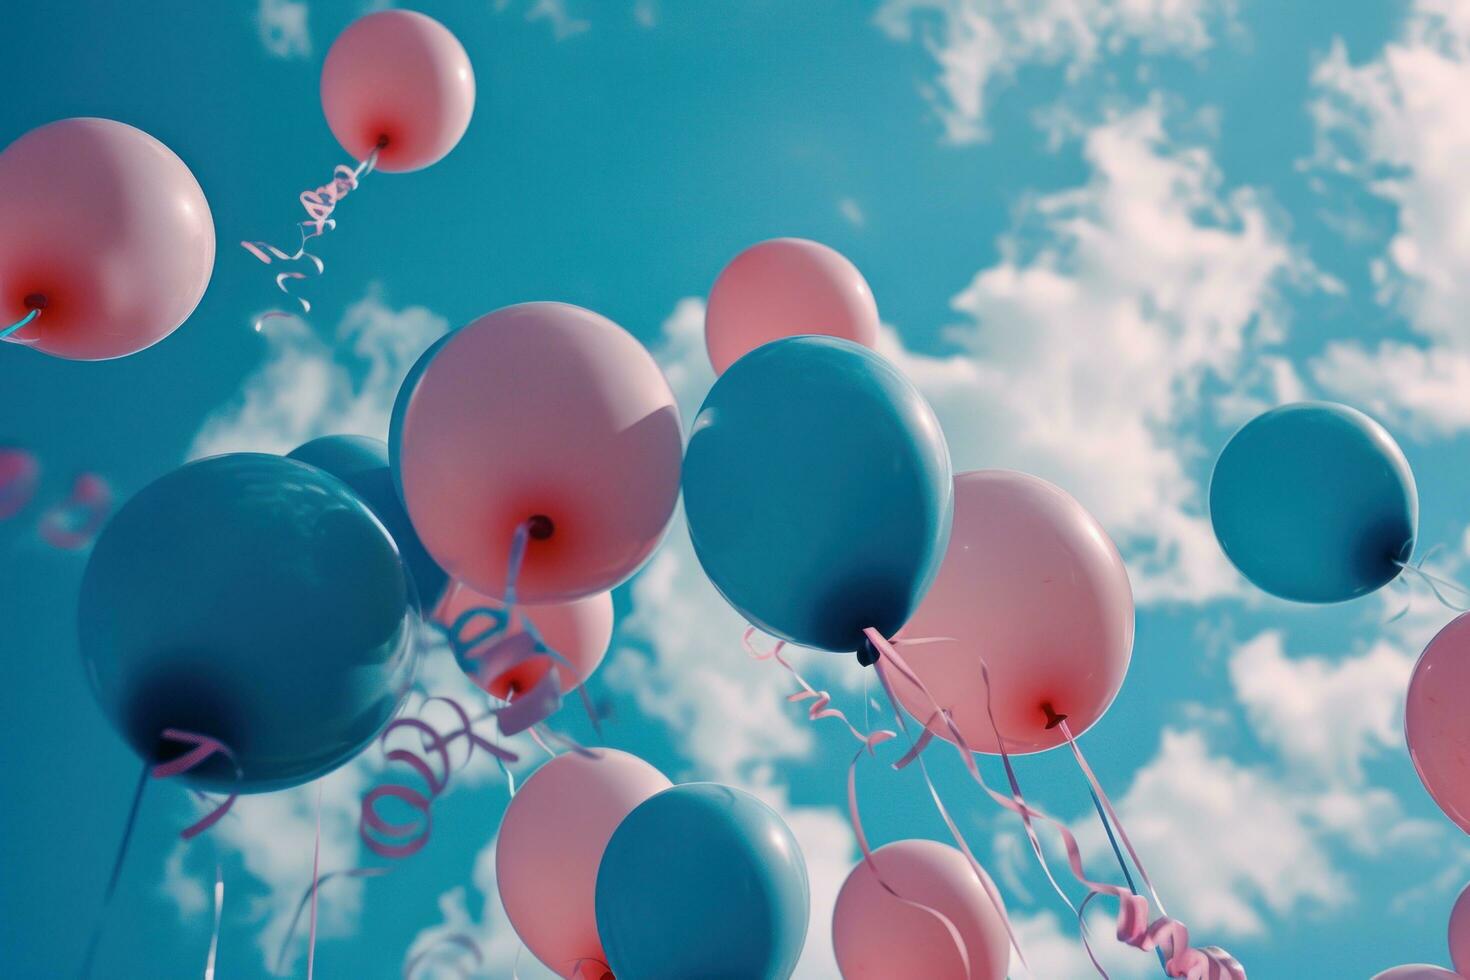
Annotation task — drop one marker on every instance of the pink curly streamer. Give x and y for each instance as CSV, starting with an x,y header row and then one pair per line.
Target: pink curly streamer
x,y
819,709
74,522
319,205
1134,929
204,748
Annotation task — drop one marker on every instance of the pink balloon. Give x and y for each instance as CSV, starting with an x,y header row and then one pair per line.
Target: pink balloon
x,y
878,937
579,630
1031,583
399,78
1460,932
104,230
1417,971
1436,722
551,842
540,409
782,288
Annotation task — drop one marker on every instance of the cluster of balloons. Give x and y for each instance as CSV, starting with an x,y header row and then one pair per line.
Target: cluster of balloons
x,y
1459,942
69,523
604,867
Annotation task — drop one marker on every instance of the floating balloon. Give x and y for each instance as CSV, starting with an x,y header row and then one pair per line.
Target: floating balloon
x,y
547,411
75,521
551,840
1417,971
1460,932
107,242
20,474
579,631
256,600
1436,722
782,288
818,490
362,464
400,83
1032,586
1314,502
702,880
879,936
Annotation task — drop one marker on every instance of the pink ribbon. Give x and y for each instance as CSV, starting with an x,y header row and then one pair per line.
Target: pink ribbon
x,y
319,205
205,747
75,521
20,473
1181,960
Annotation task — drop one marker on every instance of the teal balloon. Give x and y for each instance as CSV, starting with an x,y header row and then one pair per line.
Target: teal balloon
x,y
400,409
362,464
702,880
254,599
1314,502
818,490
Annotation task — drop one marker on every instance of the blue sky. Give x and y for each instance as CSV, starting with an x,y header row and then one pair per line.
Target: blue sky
x,y
1101,235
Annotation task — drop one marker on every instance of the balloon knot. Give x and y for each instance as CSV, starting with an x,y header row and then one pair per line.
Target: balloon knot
x,y
36,301
382,141
868,654
1052,718
539,527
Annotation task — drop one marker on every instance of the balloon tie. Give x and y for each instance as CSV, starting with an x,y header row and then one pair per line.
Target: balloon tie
x,y
1133,926
319,205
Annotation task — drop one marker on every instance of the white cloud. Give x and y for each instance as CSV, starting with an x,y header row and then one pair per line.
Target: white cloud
x,y
1085,348
308,386
1397,125
852,212
555,13
980,45
283,29
1053,950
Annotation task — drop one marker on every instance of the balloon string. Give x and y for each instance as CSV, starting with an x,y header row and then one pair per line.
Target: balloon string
x,y
316,868
1435,584
18,324
457,941
117,865
306,898
819,709
319,205
1133,926
219,908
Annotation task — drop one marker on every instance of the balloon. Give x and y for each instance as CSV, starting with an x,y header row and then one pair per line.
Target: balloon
x,y
877,937
781,288
1460,932
579,630
401,82
106,232
542,409
1417,971
1314,502
400,408
1032,585
256,600
818,490
551,840
702,880
1436,724
362,463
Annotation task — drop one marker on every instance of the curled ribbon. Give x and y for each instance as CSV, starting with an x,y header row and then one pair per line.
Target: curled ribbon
x,y
819,709
72,523
18,325
1168,935
20,474
319,205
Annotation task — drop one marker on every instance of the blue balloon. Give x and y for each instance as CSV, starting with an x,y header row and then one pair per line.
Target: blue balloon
x,y
254,599
400,409
362,464
1314,502
702,880
818,490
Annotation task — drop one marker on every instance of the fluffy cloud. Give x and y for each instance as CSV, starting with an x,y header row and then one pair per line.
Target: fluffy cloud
x,y
308,386
555,13
980,45
282,26
1084,351
1396,124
